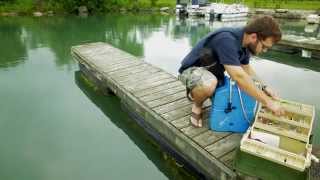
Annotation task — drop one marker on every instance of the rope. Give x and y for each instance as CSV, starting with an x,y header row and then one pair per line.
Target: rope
x,y
242,106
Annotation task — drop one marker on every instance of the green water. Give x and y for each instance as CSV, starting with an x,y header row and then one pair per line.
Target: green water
x,y
54,126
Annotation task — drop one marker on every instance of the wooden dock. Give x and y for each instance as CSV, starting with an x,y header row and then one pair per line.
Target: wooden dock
x,y
301,42
158,100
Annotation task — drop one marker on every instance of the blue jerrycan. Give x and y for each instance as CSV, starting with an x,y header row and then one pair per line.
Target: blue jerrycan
x,y
232,109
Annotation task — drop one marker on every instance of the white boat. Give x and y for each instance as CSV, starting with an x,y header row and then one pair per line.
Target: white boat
x,y
191,7
194,10
213,25
227,12
179,9
221,11
313,19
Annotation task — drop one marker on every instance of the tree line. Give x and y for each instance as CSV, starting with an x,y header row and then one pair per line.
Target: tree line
x,y
93,6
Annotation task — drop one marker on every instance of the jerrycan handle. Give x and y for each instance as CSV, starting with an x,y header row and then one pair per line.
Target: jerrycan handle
x,y
229,107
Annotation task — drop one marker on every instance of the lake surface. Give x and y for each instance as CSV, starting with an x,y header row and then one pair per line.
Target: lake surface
x,y
53,125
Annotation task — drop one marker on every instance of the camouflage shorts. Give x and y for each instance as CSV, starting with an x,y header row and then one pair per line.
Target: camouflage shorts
x,y
196,76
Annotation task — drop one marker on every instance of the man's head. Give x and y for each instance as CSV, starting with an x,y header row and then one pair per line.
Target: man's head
x,y
261,33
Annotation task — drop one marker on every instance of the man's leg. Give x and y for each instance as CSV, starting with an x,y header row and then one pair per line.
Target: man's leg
x,y
199,94
202,84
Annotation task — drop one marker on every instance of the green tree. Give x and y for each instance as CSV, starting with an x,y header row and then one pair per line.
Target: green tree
x,y
154,2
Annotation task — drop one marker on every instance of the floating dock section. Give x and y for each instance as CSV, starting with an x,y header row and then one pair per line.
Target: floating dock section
x,y
158,102
309,46
308,43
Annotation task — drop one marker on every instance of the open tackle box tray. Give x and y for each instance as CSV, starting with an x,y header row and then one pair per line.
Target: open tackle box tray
x,y
284,140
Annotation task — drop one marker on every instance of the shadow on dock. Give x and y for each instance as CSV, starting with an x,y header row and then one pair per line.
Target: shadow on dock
x,y
111,107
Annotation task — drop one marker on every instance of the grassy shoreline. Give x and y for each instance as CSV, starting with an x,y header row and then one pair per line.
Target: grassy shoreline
x,y
26,7
94,6
282,4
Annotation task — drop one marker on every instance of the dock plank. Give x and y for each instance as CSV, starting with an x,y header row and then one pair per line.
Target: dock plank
x,y
126,71
172,106
132,70
225,145
178,113
185,110
166,100
136,76
143,79
118,67
191,131
118,59
158,88
163,93
182,122
154,84
209,137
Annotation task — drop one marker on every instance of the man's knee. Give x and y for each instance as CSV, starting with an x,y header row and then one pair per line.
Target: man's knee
x,y
212,87
204,90
200,81
199,93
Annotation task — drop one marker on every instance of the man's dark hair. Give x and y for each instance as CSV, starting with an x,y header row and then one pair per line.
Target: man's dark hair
x,y
265,26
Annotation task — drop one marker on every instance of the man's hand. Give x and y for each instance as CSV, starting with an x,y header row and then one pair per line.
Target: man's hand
x,y
275,108
269,92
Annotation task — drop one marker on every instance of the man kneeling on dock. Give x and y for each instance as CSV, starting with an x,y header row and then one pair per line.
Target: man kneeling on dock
x,y
229,49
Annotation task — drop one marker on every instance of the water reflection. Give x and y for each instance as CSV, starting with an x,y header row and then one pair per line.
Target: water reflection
x,y
196,28
60,33
129,32
13,48
293,60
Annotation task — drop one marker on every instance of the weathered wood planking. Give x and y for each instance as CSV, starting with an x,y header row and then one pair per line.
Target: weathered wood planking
x,y
160,99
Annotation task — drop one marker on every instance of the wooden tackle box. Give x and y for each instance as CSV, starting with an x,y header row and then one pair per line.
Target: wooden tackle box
x,y
285,139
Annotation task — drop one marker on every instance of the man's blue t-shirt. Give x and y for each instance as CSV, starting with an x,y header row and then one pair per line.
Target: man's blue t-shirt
x,y
223,47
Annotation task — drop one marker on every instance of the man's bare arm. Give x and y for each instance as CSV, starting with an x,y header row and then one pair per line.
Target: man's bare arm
x,y
245,82
250,71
